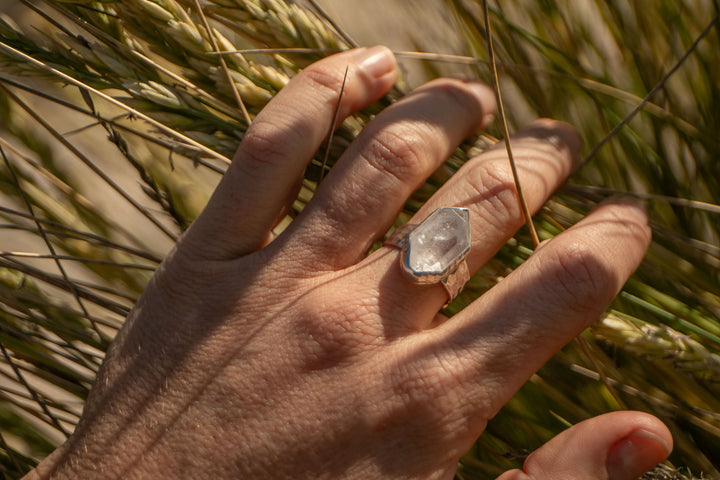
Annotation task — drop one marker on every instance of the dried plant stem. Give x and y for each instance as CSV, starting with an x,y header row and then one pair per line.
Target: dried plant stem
x,y
50,246
11,455
81,200
506,130
42,275
109,121
587,83
113,43
68,232
223,64
56,257
333,125
270,51
655,89
97,170
681,202
343,34
598,366
41,403
168,131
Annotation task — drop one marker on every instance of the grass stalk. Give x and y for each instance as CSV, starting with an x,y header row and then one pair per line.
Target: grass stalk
x,y
160,84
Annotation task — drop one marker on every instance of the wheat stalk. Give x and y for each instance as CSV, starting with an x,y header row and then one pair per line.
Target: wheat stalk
x,y
146,75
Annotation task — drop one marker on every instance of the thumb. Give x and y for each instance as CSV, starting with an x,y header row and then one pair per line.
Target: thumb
x,y
614,446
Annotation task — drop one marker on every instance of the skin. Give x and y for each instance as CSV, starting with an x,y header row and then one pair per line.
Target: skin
x,y
302,357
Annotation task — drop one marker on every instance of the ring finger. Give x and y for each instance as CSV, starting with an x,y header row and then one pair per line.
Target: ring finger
x,y
545,153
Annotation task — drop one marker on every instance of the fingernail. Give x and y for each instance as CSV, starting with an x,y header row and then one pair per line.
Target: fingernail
x,y
377,61
635,454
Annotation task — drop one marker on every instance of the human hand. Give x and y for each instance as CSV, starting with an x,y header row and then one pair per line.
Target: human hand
x,y
301,356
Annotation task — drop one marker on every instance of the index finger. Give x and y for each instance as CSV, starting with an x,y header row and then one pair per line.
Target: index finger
x,y
261,183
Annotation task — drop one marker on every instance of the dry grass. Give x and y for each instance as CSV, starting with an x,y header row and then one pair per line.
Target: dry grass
x,y
84,223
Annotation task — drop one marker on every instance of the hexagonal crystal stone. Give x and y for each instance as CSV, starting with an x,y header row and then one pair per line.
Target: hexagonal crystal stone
x,y
438,245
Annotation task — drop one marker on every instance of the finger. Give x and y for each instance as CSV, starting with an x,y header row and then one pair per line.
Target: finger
x,y
496,343
262,181
545,152
393,156
614,446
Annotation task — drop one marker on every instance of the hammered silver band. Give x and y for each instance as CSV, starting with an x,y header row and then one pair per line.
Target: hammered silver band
x,y
434,251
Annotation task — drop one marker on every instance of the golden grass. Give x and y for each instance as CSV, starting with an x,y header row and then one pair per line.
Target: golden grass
x,y
84,224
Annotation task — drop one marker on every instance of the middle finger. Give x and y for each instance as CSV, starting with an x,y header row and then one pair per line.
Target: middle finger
x,y
392,156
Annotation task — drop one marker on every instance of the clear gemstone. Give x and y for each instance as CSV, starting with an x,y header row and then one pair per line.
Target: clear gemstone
x,y
438,244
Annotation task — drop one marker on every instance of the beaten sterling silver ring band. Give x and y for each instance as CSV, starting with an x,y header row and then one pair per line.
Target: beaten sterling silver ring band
x,y
435,250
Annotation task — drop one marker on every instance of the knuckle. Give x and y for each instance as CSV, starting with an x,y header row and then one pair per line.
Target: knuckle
x,y
559,135
277,131
265,142
494,190
333,334
458,94
397,153
433,383
432,396
461,96
577,279
322,80
414,401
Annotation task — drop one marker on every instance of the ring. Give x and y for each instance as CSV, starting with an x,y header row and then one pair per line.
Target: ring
x,y
435,250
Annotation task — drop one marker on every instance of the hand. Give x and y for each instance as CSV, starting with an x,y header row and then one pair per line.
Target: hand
x,y
301,357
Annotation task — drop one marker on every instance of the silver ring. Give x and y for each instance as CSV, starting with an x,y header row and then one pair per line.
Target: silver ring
x,y
435,250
